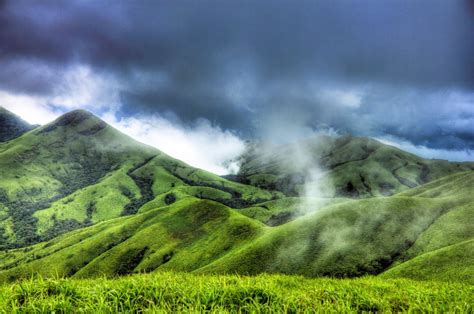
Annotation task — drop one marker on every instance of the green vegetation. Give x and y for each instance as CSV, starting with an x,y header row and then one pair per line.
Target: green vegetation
x,y
355,167
184,236
78,171
179,292
344,238
454,262
79,199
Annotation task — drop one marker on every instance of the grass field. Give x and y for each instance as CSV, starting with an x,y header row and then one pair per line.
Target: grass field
x,y
180,292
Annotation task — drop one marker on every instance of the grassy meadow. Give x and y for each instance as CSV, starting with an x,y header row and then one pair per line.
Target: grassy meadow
x,y
184,292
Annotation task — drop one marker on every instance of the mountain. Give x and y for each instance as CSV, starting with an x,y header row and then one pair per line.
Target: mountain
x,y
80,199
12,126
355,167
77,171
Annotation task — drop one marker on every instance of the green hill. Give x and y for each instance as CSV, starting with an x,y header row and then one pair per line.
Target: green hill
x,y
446,249
344,239
451,263
355,167
183,236
77,171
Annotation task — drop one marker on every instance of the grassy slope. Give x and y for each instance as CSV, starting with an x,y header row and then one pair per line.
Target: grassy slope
x,y
446,249
179,292
50,163
454,262
356,167
79,171
369,235
346,238
184,236
280,211
165,176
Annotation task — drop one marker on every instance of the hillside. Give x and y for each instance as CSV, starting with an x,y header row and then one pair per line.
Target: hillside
x,y
80,199
348,166
77,171
344,239
12,126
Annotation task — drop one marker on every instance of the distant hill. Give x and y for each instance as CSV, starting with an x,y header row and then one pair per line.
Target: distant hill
x,y
355,167
12,126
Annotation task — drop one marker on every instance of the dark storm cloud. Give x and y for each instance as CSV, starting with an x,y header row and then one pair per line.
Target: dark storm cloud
x,y
239,62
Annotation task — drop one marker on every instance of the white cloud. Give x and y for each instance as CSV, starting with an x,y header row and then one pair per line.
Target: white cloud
x,y
203,145
81,89
32,109
429,153
343,98
86,89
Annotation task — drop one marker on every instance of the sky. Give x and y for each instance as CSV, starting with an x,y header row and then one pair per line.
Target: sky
x,y
198,78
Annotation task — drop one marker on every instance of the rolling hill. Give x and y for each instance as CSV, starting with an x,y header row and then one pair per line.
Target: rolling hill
x,y
77,171
80,199
355,167
347,239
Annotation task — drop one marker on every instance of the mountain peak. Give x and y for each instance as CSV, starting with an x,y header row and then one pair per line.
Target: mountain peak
x,y
73,118
86,122
11,125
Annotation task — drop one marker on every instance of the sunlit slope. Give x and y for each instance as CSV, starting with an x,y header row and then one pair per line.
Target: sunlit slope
x,y
184,236
445,251
172,292
346,238
77,171
343,240
451,263
454,226
53,161
351,166
371,235
158,182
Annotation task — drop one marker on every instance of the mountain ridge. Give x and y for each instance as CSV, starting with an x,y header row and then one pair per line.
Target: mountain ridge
x,y
356,167
12,126
78,170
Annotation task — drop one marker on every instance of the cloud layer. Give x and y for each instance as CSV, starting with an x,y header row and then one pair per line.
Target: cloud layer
x,y
275,69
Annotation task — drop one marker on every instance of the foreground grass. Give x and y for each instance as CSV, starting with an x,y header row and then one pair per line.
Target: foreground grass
x,y
180,292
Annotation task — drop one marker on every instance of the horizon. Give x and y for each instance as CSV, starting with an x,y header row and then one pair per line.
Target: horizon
x,y
232,167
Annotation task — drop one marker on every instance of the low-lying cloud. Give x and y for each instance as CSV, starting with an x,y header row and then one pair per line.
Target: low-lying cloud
x,y
201,145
